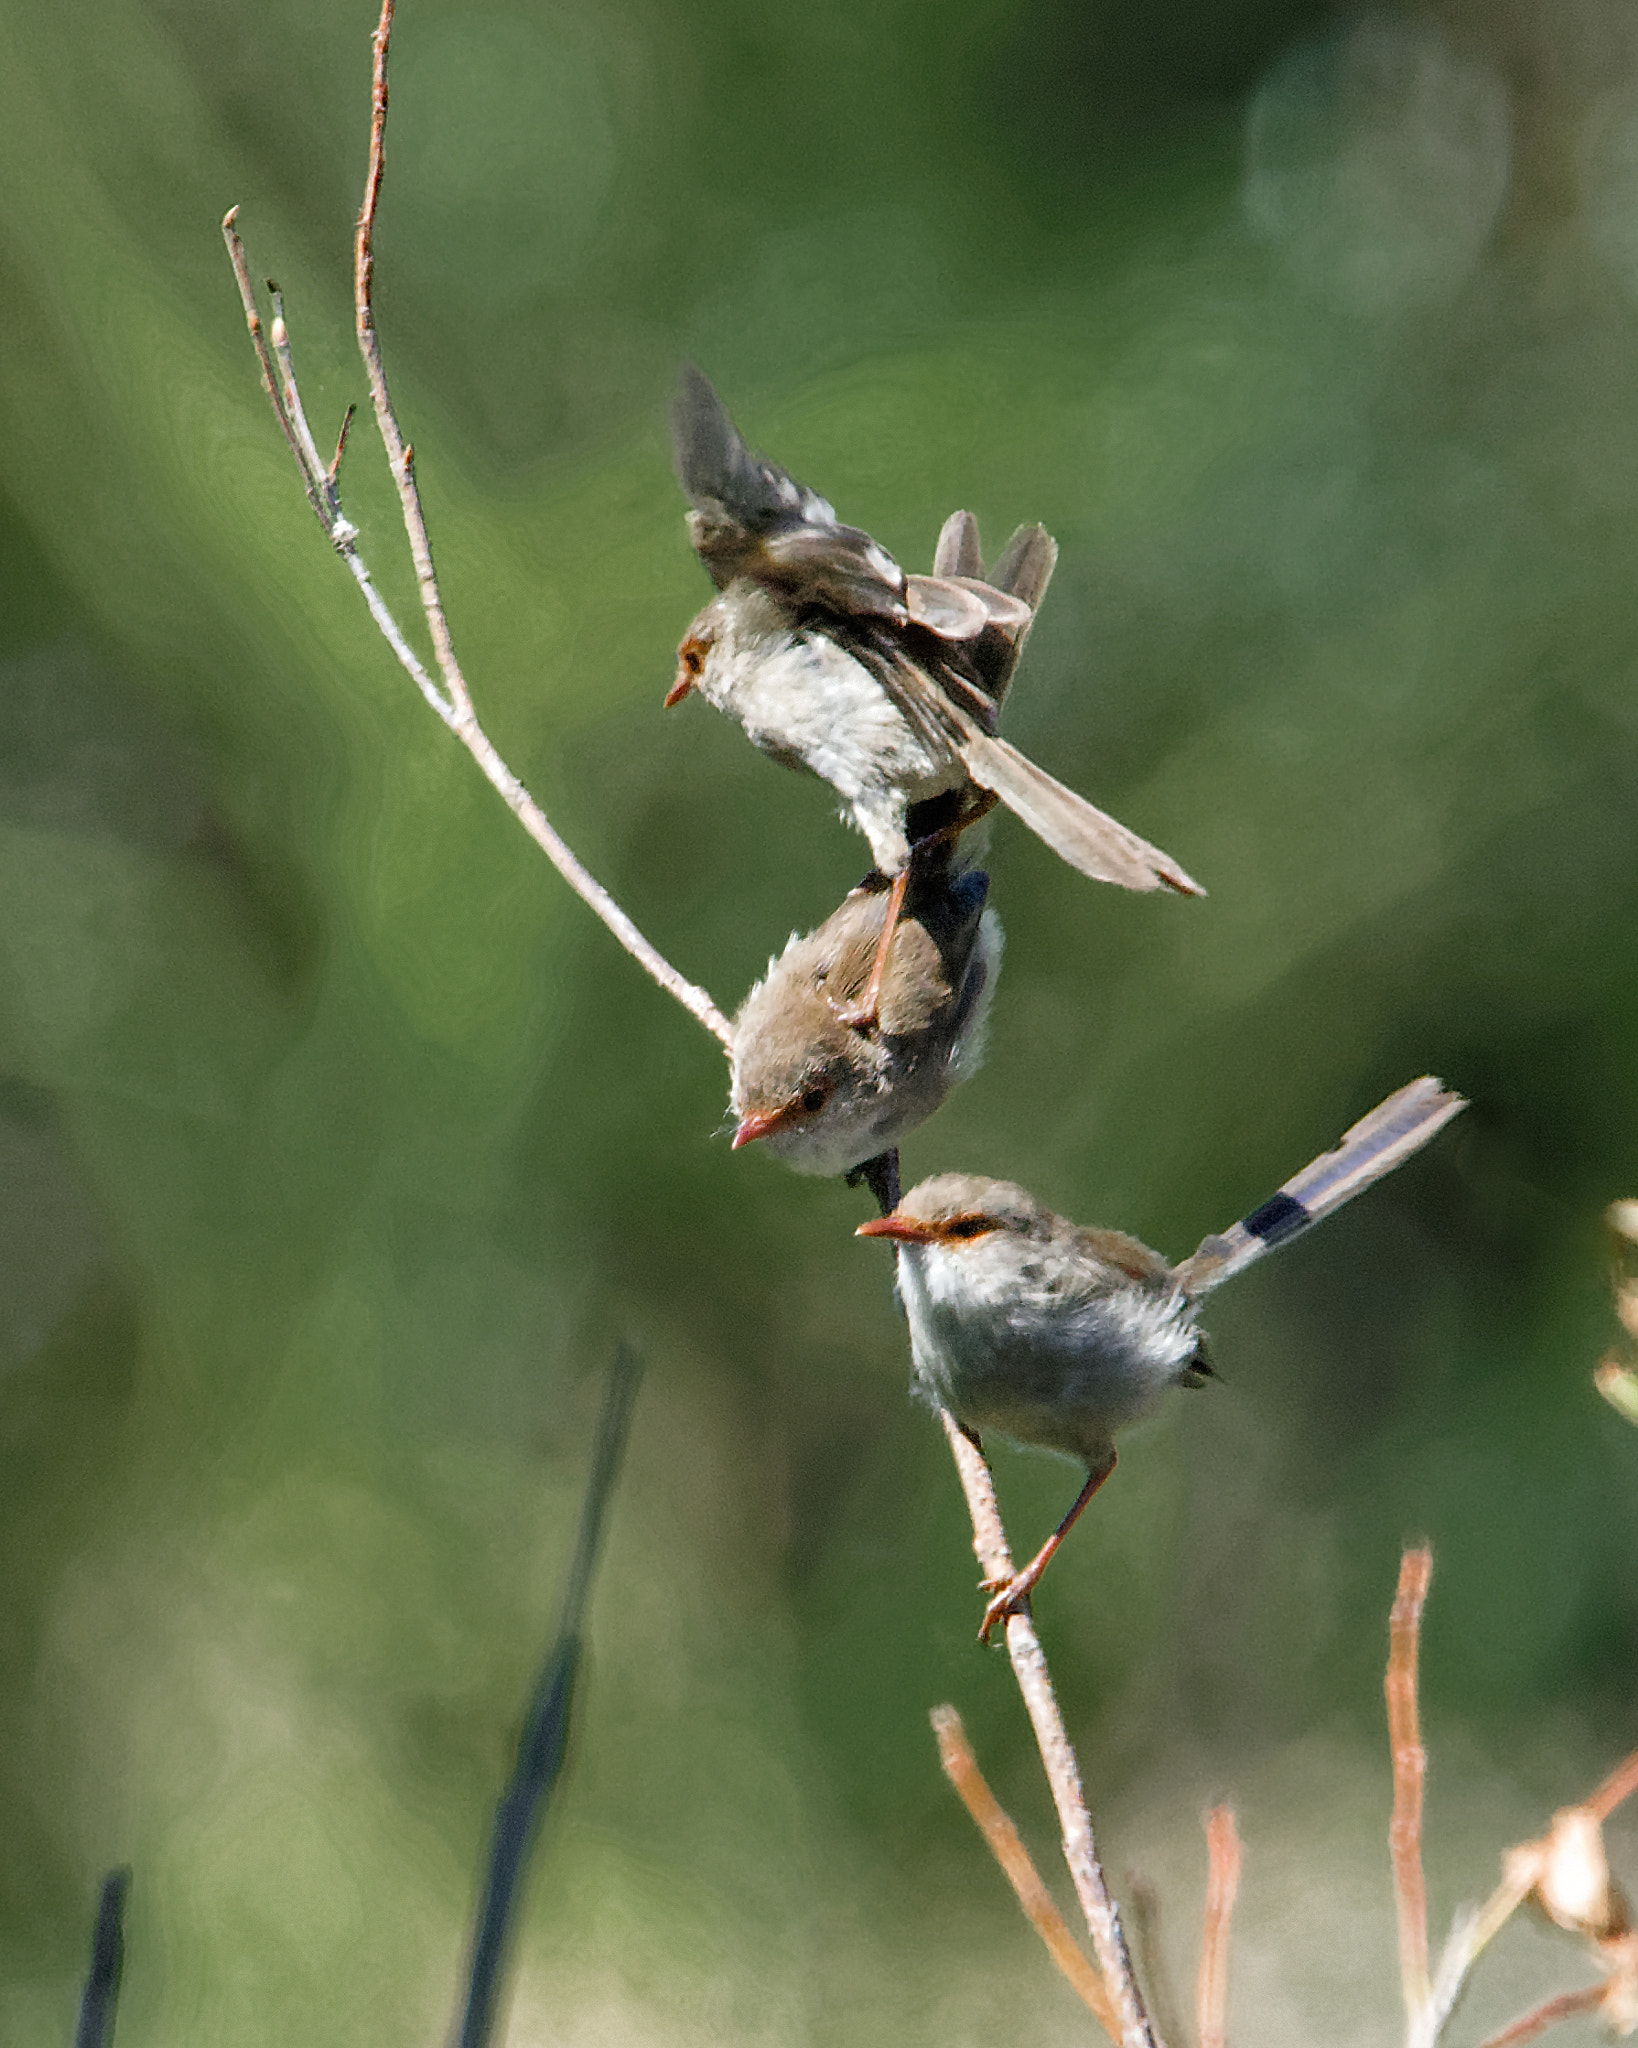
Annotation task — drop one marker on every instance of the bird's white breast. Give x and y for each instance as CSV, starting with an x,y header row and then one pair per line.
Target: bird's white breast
x,y
804,699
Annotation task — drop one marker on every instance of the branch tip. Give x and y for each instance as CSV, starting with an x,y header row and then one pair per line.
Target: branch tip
x,y
1222,1885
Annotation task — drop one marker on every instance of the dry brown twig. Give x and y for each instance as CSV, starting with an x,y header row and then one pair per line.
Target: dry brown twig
x,y
1614,1379
1222,1883
1565,1874
995,1825
1410,1765
1528,2025
450,698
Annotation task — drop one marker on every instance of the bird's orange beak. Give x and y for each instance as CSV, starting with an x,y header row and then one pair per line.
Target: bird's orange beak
x,y
690,660
904,1228
751,1128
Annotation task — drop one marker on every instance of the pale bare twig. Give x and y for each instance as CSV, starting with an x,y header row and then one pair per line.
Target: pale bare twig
x,y
1057,1756
1409,1770
452,701
1222,1882
1005,1845
1548,2013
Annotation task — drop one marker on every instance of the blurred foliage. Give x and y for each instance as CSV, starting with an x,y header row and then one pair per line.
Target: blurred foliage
x,y
339,1144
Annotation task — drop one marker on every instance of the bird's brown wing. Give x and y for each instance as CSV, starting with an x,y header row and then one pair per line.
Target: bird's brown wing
x,y
752,518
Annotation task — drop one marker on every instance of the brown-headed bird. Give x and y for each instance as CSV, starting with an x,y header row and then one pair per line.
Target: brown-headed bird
x,y
828,1090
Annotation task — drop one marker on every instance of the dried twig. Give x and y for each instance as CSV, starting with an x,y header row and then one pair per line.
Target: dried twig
x,y
1617,1382
450,697
542,1744
1567,1876
1222,1882
1006,1846
1551,2010
100,1999
1409,1770
1620,1785
1057,1757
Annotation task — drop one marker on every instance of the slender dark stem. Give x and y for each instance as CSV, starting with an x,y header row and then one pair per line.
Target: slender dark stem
x,y
101,1996
544,1738
1143,1916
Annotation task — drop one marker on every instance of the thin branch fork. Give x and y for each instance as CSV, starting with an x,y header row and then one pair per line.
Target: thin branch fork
x,y
1006,1846
448,696
1057,1755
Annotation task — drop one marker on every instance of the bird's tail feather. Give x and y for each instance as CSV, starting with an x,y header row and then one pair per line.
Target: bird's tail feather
x,y
1374,1146
1089,839
1025,565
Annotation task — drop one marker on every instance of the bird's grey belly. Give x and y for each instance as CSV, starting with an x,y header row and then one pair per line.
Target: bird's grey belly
x,y
1066,1383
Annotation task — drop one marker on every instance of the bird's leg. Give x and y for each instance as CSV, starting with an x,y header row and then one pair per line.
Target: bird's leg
x,y
865,1015
1012,1594
881,1176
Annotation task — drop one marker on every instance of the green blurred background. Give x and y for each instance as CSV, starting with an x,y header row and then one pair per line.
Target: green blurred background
x,y
340,1144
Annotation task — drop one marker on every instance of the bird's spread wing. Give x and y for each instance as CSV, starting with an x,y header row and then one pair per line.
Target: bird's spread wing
x,y
1374,1146
751,518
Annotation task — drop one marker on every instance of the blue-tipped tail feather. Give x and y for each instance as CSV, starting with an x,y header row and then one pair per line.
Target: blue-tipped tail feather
x,y
1373,1147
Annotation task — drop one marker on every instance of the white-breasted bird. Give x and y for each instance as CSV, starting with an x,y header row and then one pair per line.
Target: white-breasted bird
x,y
887,686
1058,1336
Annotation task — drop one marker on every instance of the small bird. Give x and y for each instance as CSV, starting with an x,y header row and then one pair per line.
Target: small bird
x,y
1059,1336
829,1092
886,686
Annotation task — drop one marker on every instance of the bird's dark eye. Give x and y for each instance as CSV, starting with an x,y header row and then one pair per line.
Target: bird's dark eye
x,y
814,1098
691,655
967,1226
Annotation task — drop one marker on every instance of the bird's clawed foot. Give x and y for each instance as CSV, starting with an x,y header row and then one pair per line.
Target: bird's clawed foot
x,y
1010,1596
